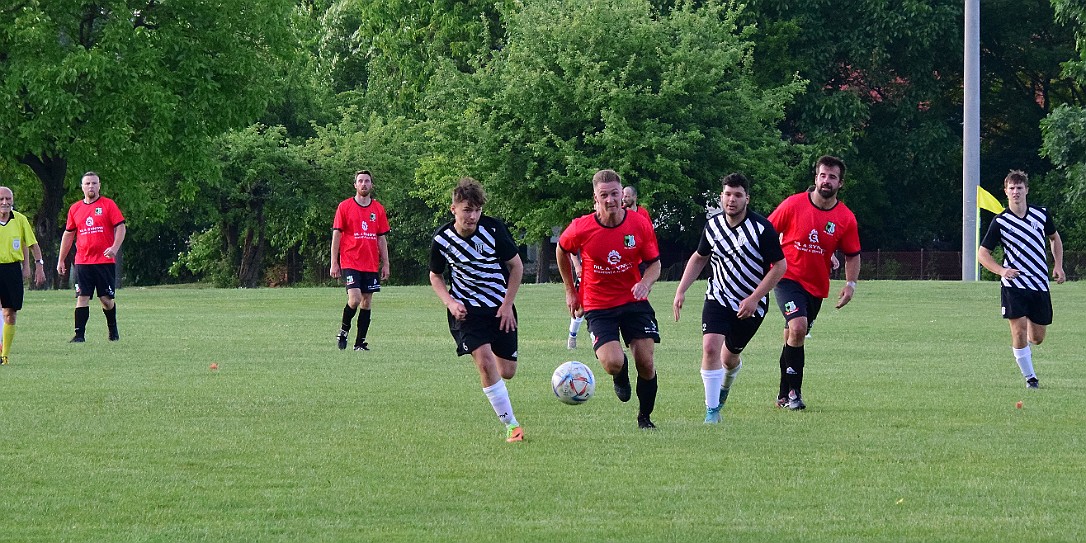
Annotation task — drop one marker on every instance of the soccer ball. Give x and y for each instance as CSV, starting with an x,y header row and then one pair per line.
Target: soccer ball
x,y
573,383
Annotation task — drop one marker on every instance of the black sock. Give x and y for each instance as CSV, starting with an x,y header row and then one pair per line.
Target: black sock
x,y
646,395
794,358
82,315
348,316
363,326
623,376
111,320
782,391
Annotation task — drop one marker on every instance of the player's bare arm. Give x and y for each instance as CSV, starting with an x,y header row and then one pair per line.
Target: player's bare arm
x,y
508,321
66,242
749,306
334,269
1057,258
456,307
642,288
984,256
566,271
852,273
382,249
694,267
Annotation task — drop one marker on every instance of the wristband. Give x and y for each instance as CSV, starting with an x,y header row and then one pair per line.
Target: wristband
x,y
850,284
40,262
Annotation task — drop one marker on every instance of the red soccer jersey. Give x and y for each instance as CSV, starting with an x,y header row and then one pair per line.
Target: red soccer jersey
x,y
644,212
360,226
610,256
809,236
93,225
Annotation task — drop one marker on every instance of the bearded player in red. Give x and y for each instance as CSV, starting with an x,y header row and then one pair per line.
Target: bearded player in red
x,y
812,224
612,242
359,255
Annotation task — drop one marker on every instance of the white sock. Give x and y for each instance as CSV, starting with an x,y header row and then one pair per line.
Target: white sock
x,y
575,325
730,375
1025,361
712,380
499,400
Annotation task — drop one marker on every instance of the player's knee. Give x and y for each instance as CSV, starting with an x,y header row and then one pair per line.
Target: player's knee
x,y
507,368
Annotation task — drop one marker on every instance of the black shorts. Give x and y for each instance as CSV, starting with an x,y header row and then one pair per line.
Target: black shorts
x,y
11,285
364,281
635,320
1035,305
719,319
482,326
95,277
795,302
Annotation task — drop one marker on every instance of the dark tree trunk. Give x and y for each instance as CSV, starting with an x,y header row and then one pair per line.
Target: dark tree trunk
x,y
543,266
51,172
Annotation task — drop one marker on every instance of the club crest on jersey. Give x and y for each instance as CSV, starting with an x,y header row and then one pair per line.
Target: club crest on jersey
x,y
629,242
790,307
831,228
90,221
479,246
97,211
613,257
373,216
813,236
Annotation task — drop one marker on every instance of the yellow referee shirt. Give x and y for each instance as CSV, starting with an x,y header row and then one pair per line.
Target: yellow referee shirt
x,y
14,235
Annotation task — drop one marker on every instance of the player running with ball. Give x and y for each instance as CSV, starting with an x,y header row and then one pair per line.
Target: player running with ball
x,y
612,242
486,272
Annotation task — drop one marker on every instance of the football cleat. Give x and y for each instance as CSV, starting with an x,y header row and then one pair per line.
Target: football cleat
x,y
514,433
1032,382
782,401
362,346
571,343
644,423
114,336
712,415
341,340
622,387
77,339
795,402
3,360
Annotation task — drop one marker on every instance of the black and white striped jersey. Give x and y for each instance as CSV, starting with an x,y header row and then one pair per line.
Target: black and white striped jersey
x,y
1023,240
740,257
479,275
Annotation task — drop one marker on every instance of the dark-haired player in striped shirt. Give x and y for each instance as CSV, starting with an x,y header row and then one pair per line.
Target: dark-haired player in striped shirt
x,y
486,271
747,262
1026,303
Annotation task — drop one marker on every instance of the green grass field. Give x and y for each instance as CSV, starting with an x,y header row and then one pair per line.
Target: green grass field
x,y
911,433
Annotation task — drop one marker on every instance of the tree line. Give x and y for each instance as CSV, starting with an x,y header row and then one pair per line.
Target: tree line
x,y
229,131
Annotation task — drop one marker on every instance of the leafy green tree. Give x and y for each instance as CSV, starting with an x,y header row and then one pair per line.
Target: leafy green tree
x,y
133,90
1064,132
885,93
880,94
667,100
381,54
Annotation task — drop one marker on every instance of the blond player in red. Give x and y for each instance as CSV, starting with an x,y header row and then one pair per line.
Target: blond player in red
x,y
96,226
612,243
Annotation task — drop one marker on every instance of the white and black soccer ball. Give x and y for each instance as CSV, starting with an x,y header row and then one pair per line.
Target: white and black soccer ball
x,y
573,383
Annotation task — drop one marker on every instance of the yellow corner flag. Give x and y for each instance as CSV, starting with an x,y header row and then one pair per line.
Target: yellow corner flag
x,y
985,200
